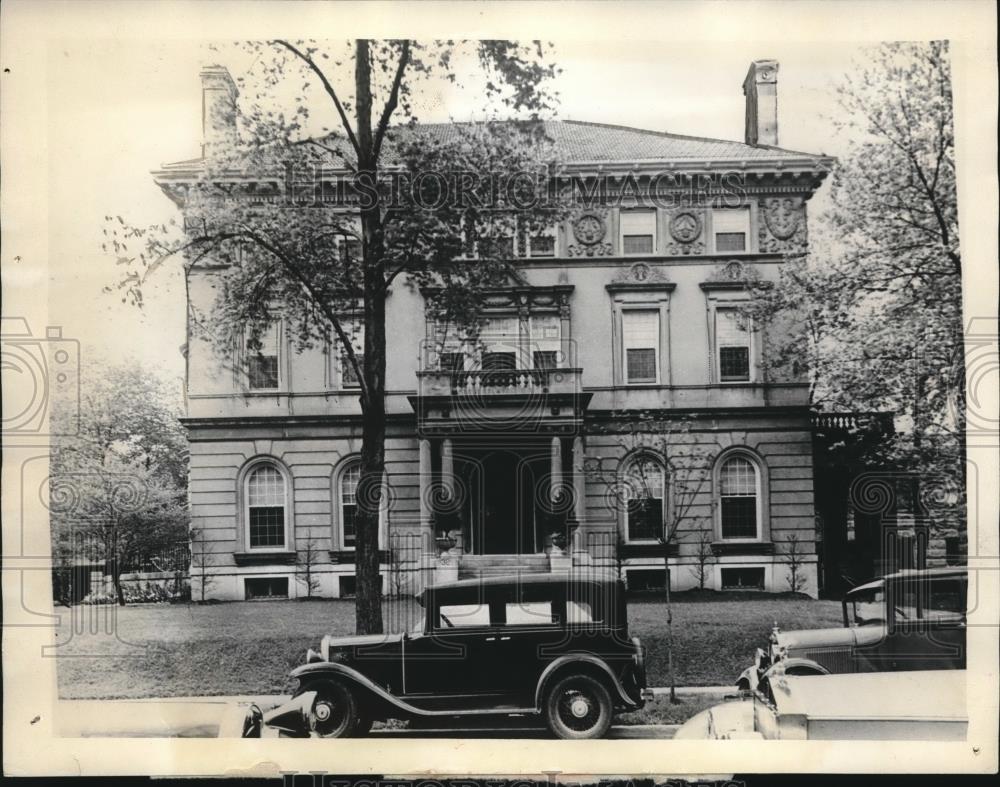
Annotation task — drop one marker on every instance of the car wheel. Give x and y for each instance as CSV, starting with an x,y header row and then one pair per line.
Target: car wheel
x,y
577,707
334,714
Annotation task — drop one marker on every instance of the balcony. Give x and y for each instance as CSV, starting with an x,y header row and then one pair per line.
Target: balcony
x,y
500,400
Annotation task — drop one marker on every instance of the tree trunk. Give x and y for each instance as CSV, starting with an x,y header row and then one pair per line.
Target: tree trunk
x,y
117,581
368,609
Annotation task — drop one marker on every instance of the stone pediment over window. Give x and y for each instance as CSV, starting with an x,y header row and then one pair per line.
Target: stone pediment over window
x,y
641,276
734,274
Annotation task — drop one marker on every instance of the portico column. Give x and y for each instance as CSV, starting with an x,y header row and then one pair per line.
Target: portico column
x,y
426,515
555,470
448,486
579,490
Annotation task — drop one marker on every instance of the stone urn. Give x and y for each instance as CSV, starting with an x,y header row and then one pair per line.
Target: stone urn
x,y
445,542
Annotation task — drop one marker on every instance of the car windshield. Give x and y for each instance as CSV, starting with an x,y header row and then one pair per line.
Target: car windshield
x,y
868,607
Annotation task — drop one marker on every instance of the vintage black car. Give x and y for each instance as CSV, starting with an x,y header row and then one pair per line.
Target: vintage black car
x,y
548,645
910,620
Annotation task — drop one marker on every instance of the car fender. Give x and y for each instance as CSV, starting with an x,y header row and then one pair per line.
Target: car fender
x,y
326,669
782,667
751,676
579,658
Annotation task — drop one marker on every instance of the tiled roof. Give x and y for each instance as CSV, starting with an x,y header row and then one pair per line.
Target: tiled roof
x,y
579,141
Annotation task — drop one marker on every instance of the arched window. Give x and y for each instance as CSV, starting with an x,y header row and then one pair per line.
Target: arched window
x,y
266,507
345,501
348,502
739,498
644,488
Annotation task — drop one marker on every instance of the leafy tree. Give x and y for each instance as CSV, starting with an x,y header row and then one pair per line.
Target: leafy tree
x,y
875,313
117,484
325,270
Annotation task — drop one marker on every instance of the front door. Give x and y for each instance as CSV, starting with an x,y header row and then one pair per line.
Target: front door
x,y
503,497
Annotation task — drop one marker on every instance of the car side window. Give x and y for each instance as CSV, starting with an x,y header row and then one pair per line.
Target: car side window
x,y
947,601
579,612
463,615
529,613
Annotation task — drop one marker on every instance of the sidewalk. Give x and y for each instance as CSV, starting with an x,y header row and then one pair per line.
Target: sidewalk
x,y
222,717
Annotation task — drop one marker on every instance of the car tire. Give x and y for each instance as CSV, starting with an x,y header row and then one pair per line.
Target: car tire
x,y
578,707
335,712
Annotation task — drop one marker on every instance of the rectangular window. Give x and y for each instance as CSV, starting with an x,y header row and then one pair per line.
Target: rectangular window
x,y
463,615
263,361
499,341
731,227
529,613
355,329
265,587
641,345
451,361
732,337
546,340
645,579
543,245
499,361
350,250
742,578
638,231
545,359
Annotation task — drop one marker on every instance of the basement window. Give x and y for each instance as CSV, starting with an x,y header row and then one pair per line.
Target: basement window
x,y
266,587
743,578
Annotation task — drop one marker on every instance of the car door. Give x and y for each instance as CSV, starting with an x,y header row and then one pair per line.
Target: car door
x,y
454,663
530,635
926,626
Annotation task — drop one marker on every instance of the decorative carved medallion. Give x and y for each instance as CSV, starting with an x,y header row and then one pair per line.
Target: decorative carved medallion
x,y
685,226
733,271
782,215
640,274
589,229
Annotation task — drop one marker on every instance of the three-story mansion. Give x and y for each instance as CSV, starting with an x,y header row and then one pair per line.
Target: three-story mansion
x,y
528,450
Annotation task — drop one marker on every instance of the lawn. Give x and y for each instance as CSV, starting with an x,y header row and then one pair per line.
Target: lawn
x,y
249,647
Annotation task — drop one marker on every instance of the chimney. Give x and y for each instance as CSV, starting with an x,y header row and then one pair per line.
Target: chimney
x,y
761,89
218,110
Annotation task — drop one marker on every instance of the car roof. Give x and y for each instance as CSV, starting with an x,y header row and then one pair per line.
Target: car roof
x,y
575,577
915,573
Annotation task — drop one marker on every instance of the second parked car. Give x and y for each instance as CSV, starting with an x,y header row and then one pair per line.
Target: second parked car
x,y
910,620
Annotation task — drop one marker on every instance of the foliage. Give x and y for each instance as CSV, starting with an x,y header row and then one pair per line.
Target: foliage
x,y
145,593
876,316
116,485
257,209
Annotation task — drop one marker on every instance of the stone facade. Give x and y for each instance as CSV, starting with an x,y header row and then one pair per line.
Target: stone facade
x,y
616,354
